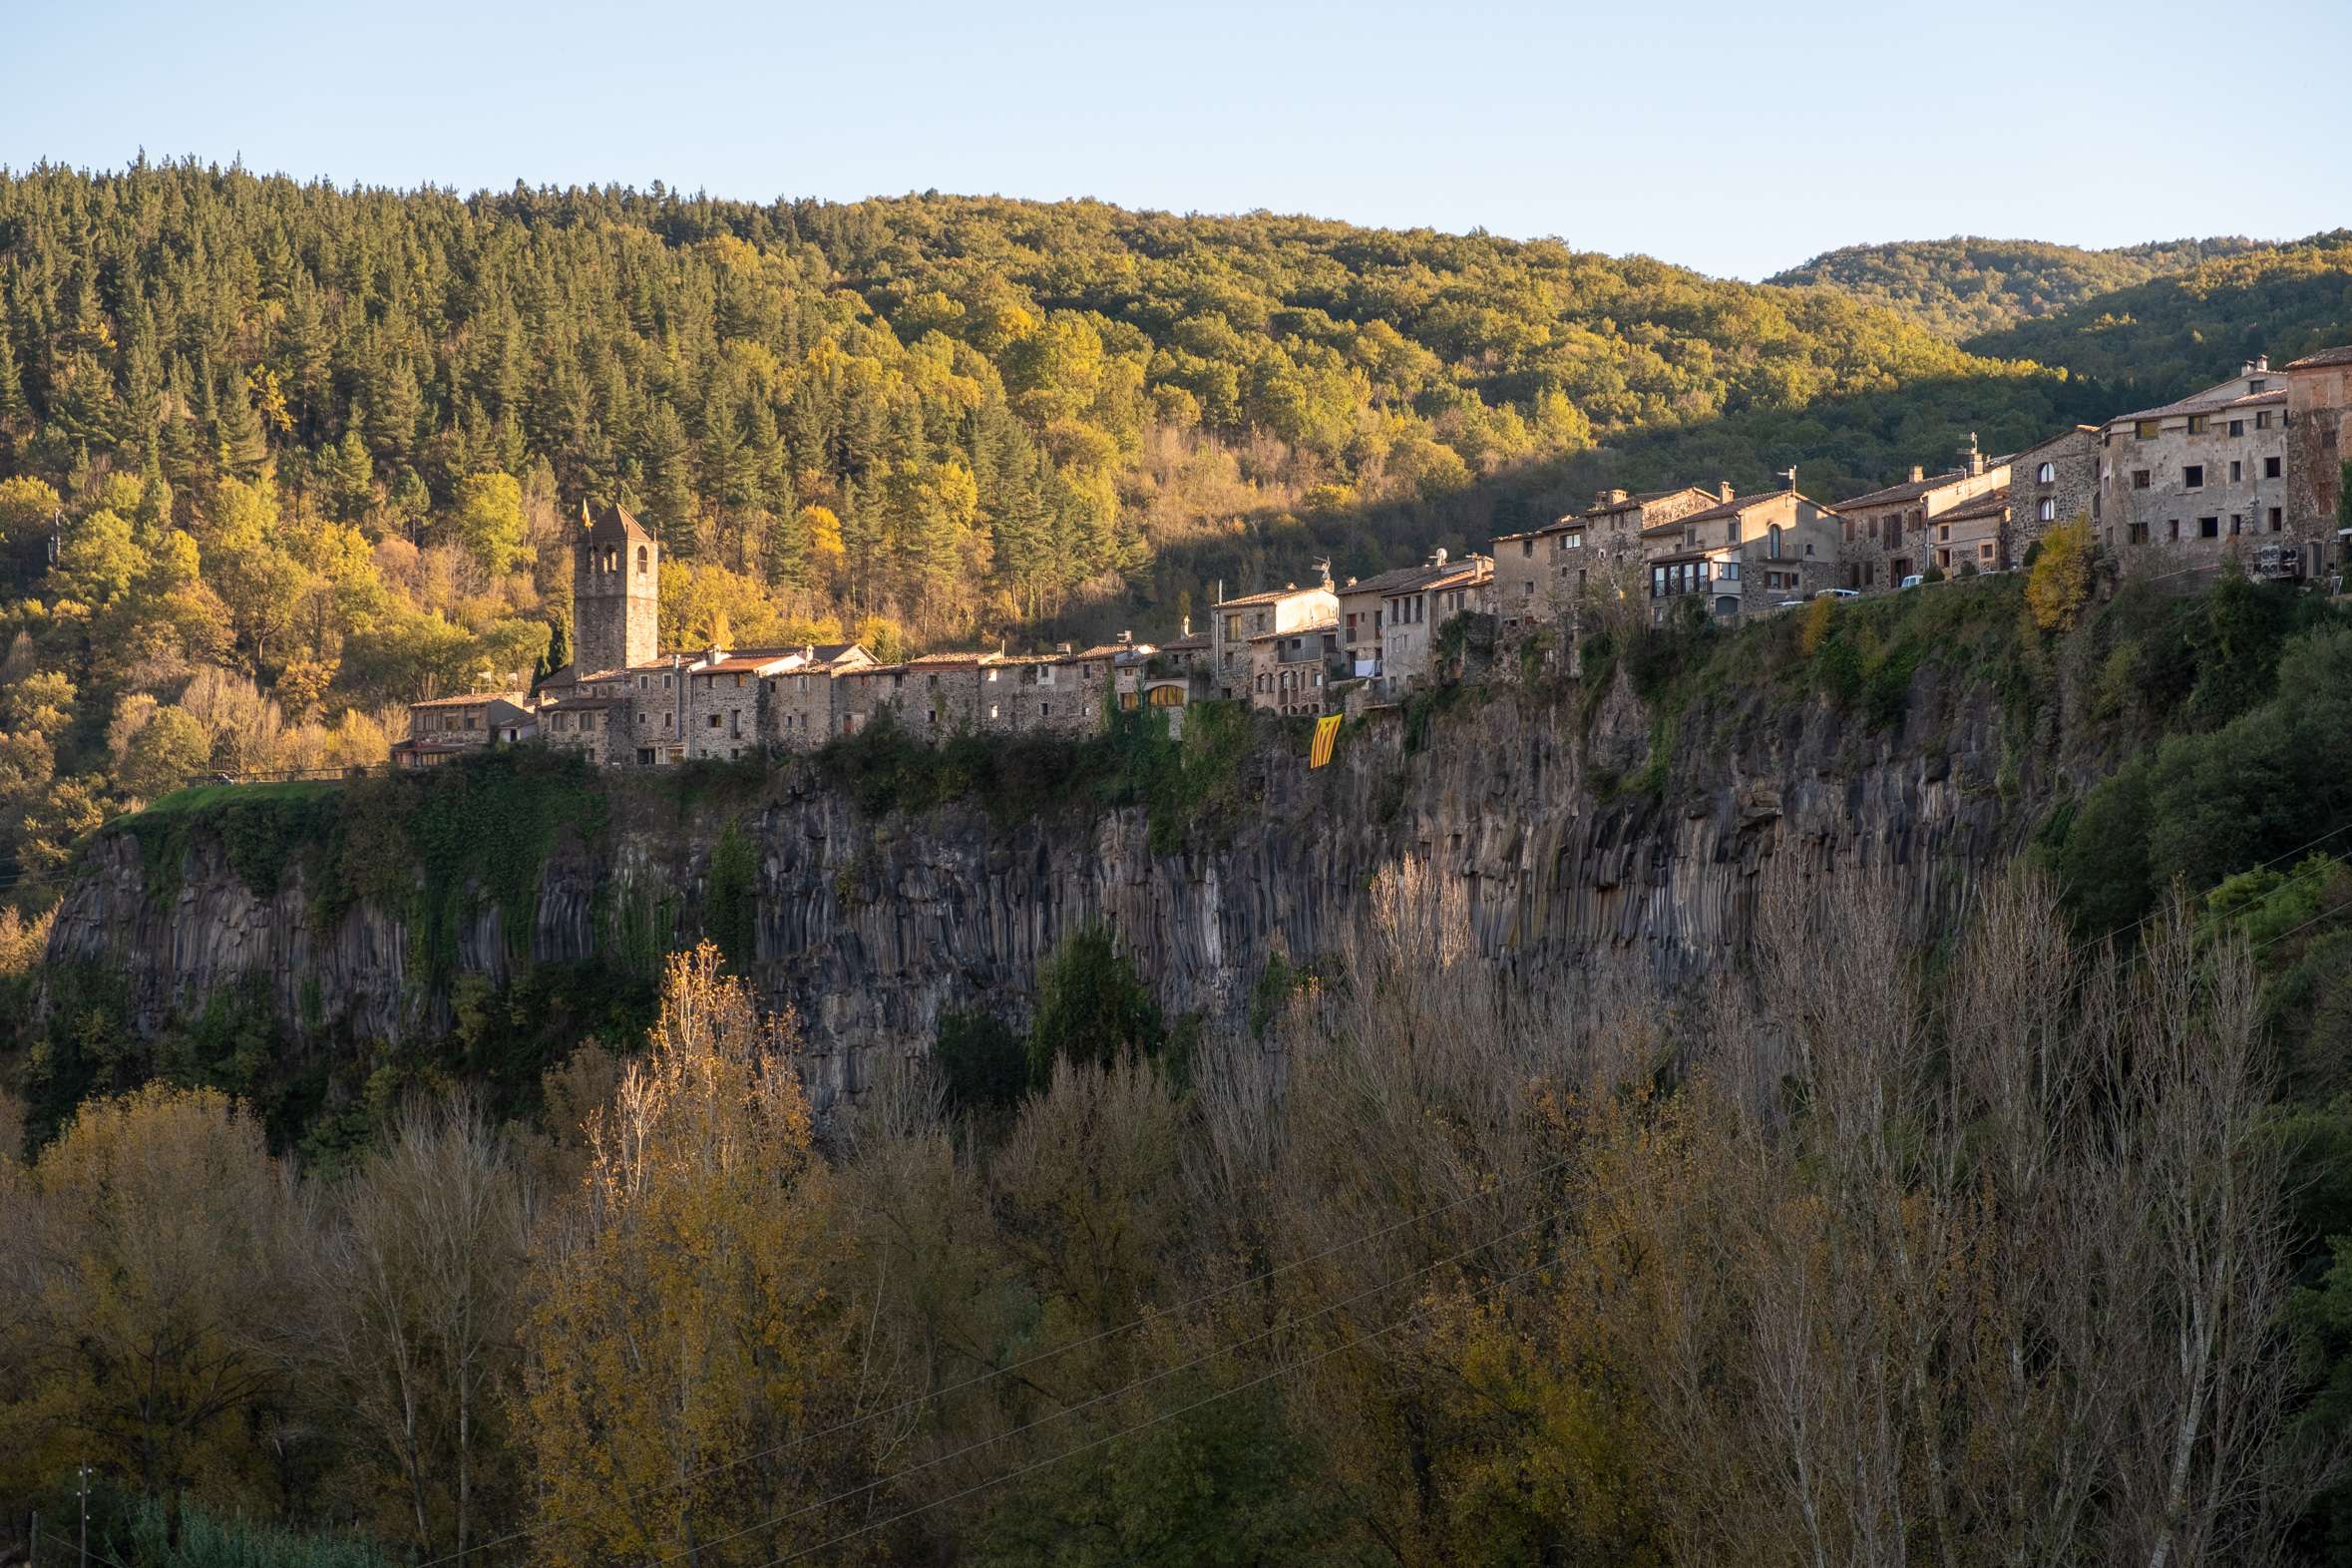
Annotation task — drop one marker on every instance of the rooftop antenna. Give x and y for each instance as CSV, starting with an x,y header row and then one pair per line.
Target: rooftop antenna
x,y
1325,568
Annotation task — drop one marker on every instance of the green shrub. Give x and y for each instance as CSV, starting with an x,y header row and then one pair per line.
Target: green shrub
x,y
730,905
1092,1007
982,1063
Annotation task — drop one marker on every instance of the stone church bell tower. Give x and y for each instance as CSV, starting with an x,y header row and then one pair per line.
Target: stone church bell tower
x,y
615,591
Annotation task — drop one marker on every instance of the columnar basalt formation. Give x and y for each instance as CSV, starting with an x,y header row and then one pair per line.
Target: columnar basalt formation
x,y
870,926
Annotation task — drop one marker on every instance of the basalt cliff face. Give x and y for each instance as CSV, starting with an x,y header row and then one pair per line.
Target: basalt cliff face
x,y
1557,830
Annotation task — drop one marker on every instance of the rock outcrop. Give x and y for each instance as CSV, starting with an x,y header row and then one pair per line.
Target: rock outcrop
x,y
1558,831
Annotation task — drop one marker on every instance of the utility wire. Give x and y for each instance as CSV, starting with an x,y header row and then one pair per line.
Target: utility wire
x,y
1129,1431
1128,1387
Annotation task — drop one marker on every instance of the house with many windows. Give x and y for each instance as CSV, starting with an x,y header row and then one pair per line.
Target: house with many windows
x,y
1884,535
1542,573
1388,622
1743,554
1234,621
2187,483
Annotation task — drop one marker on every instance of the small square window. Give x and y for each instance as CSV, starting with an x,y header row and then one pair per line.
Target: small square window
x,y
2263,419
2237,427
2196,423
2270,467
2192,477
2139,479
2208,528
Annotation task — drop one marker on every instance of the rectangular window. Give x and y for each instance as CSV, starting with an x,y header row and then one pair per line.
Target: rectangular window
x,y
2208,528
2238,471
2196,423
2139,534
2277,520
2261,418
2270,467
2144,430
2139,479
1526,547
2237,427
2237,523
714,721
2173,525
2192,477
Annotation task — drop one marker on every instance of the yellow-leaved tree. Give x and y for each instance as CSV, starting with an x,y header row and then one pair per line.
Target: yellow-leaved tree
x,y
147,1258
2061,580
688,1333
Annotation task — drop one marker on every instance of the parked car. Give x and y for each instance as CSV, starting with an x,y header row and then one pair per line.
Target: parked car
x,y
1837,594
1911,582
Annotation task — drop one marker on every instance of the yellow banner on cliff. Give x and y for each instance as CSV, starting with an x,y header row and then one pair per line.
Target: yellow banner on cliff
x,y
1327,735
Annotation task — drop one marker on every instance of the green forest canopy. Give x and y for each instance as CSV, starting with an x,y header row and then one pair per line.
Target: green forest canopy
x,y
1966,285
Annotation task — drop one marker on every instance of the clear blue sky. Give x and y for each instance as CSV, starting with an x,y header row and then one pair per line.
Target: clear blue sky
x,y
1725,134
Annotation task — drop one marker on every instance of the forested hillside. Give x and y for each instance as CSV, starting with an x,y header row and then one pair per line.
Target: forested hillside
x,y
2196,324
1965,286
276,458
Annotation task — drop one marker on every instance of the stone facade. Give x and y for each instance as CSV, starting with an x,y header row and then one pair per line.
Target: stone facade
x,y
2052,481
615,591
1971,538
1744,555
597,726
723,694
2319,443
1287,669
1233,622
2198,482
796,701
1883,536
442,727
1541,574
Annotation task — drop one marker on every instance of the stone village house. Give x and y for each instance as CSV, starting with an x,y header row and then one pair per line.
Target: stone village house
x,y
1744,555
1542,573
2180,484
1388,622
1883,535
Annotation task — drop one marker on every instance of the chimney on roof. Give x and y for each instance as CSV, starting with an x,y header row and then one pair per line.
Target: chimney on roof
x,y
1917,472
1790,474
2259,362
1722,489
1064,648
808,652
1971,458
1126,637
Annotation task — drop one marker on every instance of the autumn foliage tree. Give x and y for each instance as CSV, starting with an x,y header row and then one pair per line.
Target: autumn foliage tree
x,y
685,1343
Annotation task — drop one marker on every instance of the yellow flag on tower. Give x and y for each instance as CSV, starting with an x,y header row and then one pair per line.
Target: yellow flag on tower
x,y
1327,735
